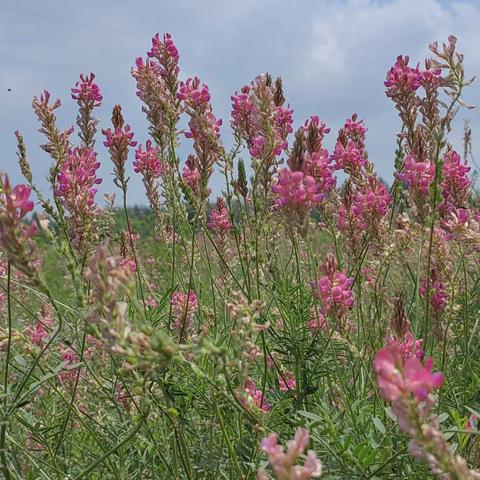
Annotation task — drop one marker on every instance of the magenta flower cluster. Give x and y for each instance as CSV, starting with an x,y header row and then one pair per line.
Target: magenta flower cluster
x,y
219,220
283,462
77,179
147,162
417,175
455,182
87,92
399,378
261,121
296,189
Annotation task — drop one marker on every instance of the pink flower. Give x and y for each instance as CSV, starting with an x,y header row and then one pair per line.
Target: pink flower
x,y
371,203
317,165
165,51
398,378
283,462
86,91
354,128
315,131
76,181
147,162
191,174
184,307
68,374
128,263
402,77
15,237
334,289
37,335
204,129
472,422
417,175
151,302
295,189
317,321
348,158
258,115
455,183
409,347
15,202
438,298
119,138
219,220
157,87
286,381
251,396
193,93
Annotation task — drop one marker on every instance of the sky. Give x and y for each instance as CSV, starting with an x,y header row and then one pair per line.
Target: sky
x,y
332,55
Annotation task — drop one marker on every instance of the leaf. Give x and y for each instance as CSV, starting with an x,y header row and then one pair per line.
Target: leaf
x,y
443,417
379,425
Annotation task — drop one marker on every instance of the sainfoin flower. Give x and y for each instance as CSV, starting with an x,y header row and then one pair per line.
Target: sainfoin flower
x,y
296,190
86,90
417,175
15,237
402,77
455,182
147,162
348,158
184,306
398,378
251,396
219,220
438,297
191,174
283,462
370,203
286,381
204,128
259,118
407,385
157,87
77,179
334,289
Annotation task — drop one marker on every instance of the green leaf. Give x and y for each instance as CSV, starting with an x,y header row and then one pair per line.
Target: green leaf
x,y
379,425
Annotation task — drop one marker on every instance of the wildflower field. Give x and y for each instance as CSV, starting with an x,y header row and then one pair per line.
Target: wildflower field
x,y
312,321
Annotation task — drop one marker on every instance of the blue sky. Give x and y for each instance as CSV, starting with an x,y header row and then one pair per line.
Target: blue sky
x,y
332,55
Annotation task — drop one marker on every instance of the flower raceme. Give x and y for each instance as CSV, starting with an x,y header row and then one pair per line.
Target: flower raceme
x,y
15,237
204,129
417,175
398,378
86,91
283,462
165,51
77,179
219,220
455,183
260,119
407,384
334,289
371,203
403,77
157,87
335,292
184,307
251,396
191,174
296,190
147,162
